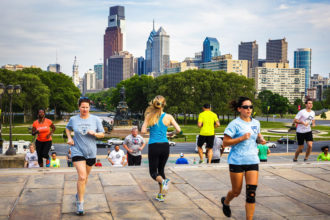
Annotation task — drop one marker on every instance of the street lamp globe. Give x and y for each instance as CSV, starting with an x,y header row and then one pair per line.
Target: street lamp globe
x,y
2,89
17,89
10,89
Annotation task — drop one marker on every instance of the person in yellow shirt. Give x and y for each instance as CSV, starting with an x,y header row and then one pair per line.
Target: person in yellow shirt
x,y
54,162
207,122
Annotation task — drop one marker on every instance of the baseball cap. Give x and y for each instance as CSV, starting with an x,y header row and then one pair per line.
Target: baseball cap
x,y
181,155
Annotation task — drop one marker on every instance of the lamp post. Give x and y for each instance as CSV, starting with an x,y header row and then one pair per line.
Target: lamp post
x,y
2,90
11,90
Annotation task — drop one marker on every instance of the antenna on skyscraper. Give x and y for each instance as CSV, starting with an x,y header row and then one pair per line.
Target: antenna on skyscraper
x,y
153,24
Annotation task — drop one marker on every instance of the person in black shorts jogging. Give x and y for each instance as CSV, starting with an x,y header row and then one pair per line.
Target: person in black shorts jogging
x,y
207,121
305,119
242,134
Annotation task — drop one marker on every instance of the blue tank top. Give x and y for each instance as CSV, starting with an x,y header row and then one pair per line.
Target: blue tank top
x,y
158,132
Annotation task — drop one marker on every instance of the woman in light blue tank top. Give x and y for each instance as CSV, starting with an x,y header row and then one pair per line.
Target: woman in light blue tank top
x,y
158,149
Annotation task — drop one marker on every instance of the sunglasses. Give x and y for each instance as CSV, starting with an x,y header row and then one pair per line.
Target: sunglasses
x,y
83,97
247,106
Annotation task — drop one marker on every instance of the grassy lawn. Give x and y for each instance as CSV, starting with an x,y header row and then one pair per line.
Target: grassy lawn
x,y
25,130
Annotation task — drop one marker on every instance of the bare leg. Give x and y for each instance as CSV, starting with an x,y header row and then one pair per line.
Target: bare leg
x,y
159,179
210,154
82,178
200,152
251,178
309,149
236,183
298,151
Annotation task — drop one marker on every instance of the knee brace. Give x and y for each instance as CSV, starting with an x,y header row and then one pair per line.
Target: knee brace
x,y
251,193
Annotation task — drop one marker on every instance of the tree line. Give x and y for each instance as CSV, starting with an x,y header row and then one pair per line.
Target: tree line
x,y
40,89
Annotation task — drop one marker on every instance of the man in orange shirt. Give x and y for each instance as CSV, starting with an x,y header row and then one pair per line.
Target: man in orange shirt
x,y
44,129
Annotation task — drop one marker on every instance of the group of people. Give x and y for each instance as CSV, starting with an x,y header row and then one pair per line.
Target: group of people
x,y
242,134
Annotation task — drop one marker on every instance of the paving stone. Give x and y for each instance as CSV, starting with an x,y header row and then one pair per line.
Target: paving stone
x,y
93,187
11,189
134,210
264,190
189,191
117,179
286,206
124,193
49,181
324,207
209,207
38,212
12,179
6,204
40,196
322,176
184,214
260,213
319,185
173,200
318,217
87,216
215,197
175,178
291,174
311,170
4,217
93,203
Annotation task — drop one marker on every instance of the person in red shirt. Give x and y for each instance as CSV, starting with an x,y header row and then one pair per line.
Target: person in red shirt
x,y
44,129
98,164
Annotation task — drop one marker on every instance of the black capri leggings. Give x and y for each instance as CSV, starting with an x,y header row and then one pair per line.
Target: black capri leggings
x,y
158,154
43,148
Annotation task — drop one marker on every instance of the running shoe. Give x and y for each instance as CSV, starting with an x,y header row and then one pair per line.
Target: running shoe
x,y
80,208
225,208
165,184
160,198
305,160
201,161
294,160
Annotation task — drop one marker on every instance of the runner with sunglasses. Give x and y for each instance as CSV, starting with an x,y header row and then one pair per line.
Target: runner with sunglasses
x,y
242,134
86,128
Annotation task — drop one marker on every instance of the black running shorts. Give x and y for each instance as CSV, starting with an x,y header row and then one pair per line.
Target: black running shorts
x,y
89,161
301,137
205,139
243,168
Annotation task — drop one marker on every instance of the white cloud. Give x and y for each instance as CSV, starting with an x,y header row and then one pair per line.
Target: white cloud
x,y
34,29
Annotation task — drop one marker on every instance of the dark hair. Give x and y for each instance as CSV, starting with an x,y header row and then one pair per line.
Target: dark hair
x,y
42,109
238,103
54,153
207,105
84,99
308,100
323,148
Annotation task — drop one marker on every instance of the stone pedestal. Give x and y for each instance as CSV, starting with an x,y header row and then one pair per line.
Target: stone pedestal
x,y
12,161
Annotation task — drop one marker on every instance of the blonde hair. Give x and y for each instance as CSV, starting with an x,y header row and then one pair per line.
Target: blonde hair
x,y
154,110
32,145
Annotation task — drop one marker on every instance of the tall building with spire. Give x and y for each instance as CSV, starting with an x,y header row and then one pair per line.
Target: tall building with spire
x,y
149,46
160,51
114,38
75,72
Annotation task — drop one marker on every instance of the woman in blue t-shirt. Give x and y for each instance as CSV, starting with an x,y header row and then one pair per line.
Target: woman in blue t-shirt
x,y
158,148
242,134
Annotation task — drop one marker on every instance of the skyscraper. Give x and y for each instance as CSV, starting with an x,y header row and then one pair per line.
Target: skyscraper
x,y
303,59
210,49
114,37
249,51
120,67
140,66
160,51
75,72
56,68
148,54
277,51
98,69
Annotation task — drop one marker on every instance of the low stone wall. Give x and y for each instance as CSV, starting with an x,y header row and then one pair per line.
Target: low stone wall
x,y
12,161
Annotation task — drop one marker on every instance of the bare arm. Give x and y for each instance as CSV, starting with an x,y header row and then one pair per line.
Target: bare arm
x,y
144,126
313,123
126,147
175,124
34,131
52,126
143,145
268,151
68,134
25,164
200,124
261,139
97,135
109,159
228,141
217,124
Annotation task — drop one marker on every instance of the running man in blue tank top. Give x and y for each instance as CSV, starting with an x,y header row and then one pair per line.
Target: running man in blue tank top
x,y
242,134
158,149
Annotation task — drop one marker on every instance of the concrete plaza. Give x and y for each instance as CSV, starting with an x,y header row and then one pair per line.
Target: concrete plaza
x,y
286,191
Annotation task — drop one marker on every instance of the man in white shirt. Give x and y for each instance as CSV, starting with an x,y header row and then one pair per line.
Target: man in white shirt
x,y
117,157
305,119
134,144
31,158
217,150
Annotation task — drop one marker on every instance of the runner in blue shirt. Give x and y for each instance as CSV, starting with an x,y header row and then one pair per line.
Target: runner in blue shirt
x,y
242,135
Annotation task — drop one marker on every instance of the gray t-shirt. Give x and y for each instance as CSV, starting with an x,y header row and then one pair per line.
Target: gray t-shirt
x,y
134,143
84,144
32,159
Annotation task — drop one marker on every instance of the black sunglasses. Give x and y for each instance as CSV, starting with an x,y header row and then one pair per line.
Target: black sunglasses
x,y
247,106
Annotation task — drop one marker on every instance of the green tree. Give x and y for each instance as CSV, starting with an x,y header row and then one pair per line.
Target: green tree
x,y
326,95
323,115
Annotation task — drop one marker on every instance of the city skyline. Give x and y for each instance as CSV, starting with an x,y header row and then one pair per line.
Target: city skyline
x,y
34,31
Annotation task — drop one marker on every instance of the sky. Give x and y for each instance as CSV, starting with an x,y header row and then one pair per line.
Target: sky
x,y
35,32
